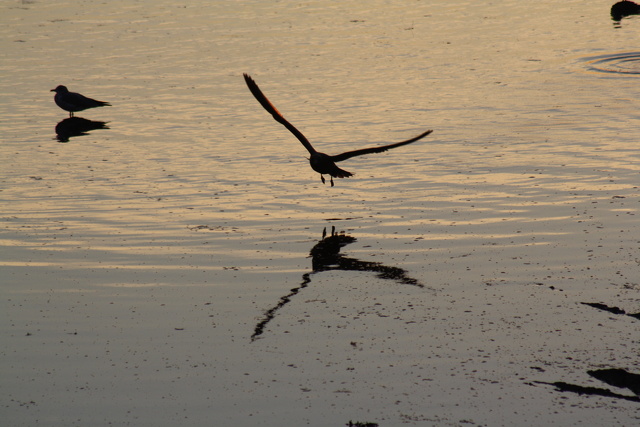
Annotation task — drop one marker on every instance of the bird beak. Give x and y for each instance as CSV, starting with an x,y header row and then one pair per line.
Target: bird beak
x,y
52,90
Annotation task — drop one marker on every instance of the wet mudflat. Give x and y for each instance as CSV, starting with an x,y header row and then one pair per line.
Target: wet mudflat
x,y
170,259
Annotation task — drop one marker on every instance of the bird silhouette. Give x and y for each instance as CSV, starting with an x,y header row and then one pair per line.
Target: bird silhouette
x,y
321,162
72,102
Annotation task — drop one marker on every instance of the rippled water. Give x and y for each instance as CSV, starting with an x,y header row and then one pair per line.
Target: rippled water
x,y
140,258
619,63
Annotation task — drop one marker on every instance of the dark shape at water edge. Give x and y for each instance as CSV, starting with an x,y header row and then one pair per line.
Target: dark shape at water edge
x,y
618,378
325,256
594,391
624,8
614,310
77,126
615,377
604,307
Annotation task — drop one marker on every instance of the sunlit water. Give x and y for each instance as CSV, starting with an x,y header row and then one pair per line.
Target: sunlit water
x,y
137,260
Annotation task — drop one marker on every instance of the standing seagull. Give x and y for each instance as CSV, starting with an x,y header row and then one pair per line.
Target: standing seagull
x,y
72,102
320,162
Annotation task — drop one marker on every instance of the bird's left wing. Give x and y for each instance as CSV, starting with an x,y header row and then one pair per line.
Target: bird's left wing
x,y
349,154
257,93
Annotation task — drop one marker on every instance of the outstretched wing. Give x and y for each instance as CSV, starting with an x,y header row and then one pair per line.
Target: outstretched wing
x,y
349,154
255,90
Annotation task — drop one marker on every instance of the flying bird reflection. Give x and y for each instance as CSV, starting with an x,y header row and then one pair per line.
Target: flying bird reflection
x,y
321,162
73,102
325,256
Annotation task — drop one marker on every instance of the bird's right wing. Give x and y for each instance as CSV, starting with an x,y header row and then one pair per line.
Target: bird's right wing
x,y
255,90
349,154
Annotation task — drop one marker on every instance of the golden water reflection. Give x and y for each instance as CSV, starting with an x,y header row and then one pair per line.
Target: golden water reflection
x,y
137,259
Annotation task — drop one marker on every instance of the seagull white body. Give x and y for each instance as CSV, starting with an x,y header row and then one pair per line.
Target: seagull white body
x,y
321,162
72,102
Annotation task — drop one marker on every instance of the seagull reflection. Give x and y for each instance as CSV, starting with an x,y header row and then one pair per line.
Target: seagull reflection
x,y
77,126
325,256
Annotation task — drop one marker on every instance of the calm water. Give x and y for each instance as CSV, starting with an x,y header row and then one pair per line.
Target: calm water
x,y
138,260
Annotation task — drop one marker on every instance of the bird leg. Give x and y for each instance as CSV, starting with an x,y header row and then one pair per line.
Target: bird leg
x,y
322,178
332,181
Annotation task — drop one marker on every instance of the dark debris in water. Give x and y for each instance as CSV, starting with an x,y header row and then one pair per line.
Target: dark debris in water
x,y
618,378
614,310
361,424
615,377
594,391
210,228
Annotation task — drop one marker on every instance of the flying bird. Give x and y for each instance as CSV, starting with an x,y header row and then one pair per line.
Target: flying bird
x,y
321,162
72,102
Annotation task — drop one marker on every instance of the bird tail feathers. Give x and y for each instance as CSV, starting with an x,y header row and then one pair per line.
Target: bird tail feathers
x,y
340,173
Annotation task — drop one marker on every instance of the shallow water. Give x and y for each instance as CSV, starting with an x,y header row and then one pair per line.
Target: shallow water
x,y
138,260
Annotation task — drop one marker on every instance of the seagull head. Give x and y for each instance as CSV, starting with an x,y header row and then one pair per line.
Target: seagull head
x,y
60,89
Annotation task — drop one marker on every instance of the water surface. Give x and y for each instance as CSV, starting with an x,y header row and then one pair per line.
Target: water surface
x,y
138,260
